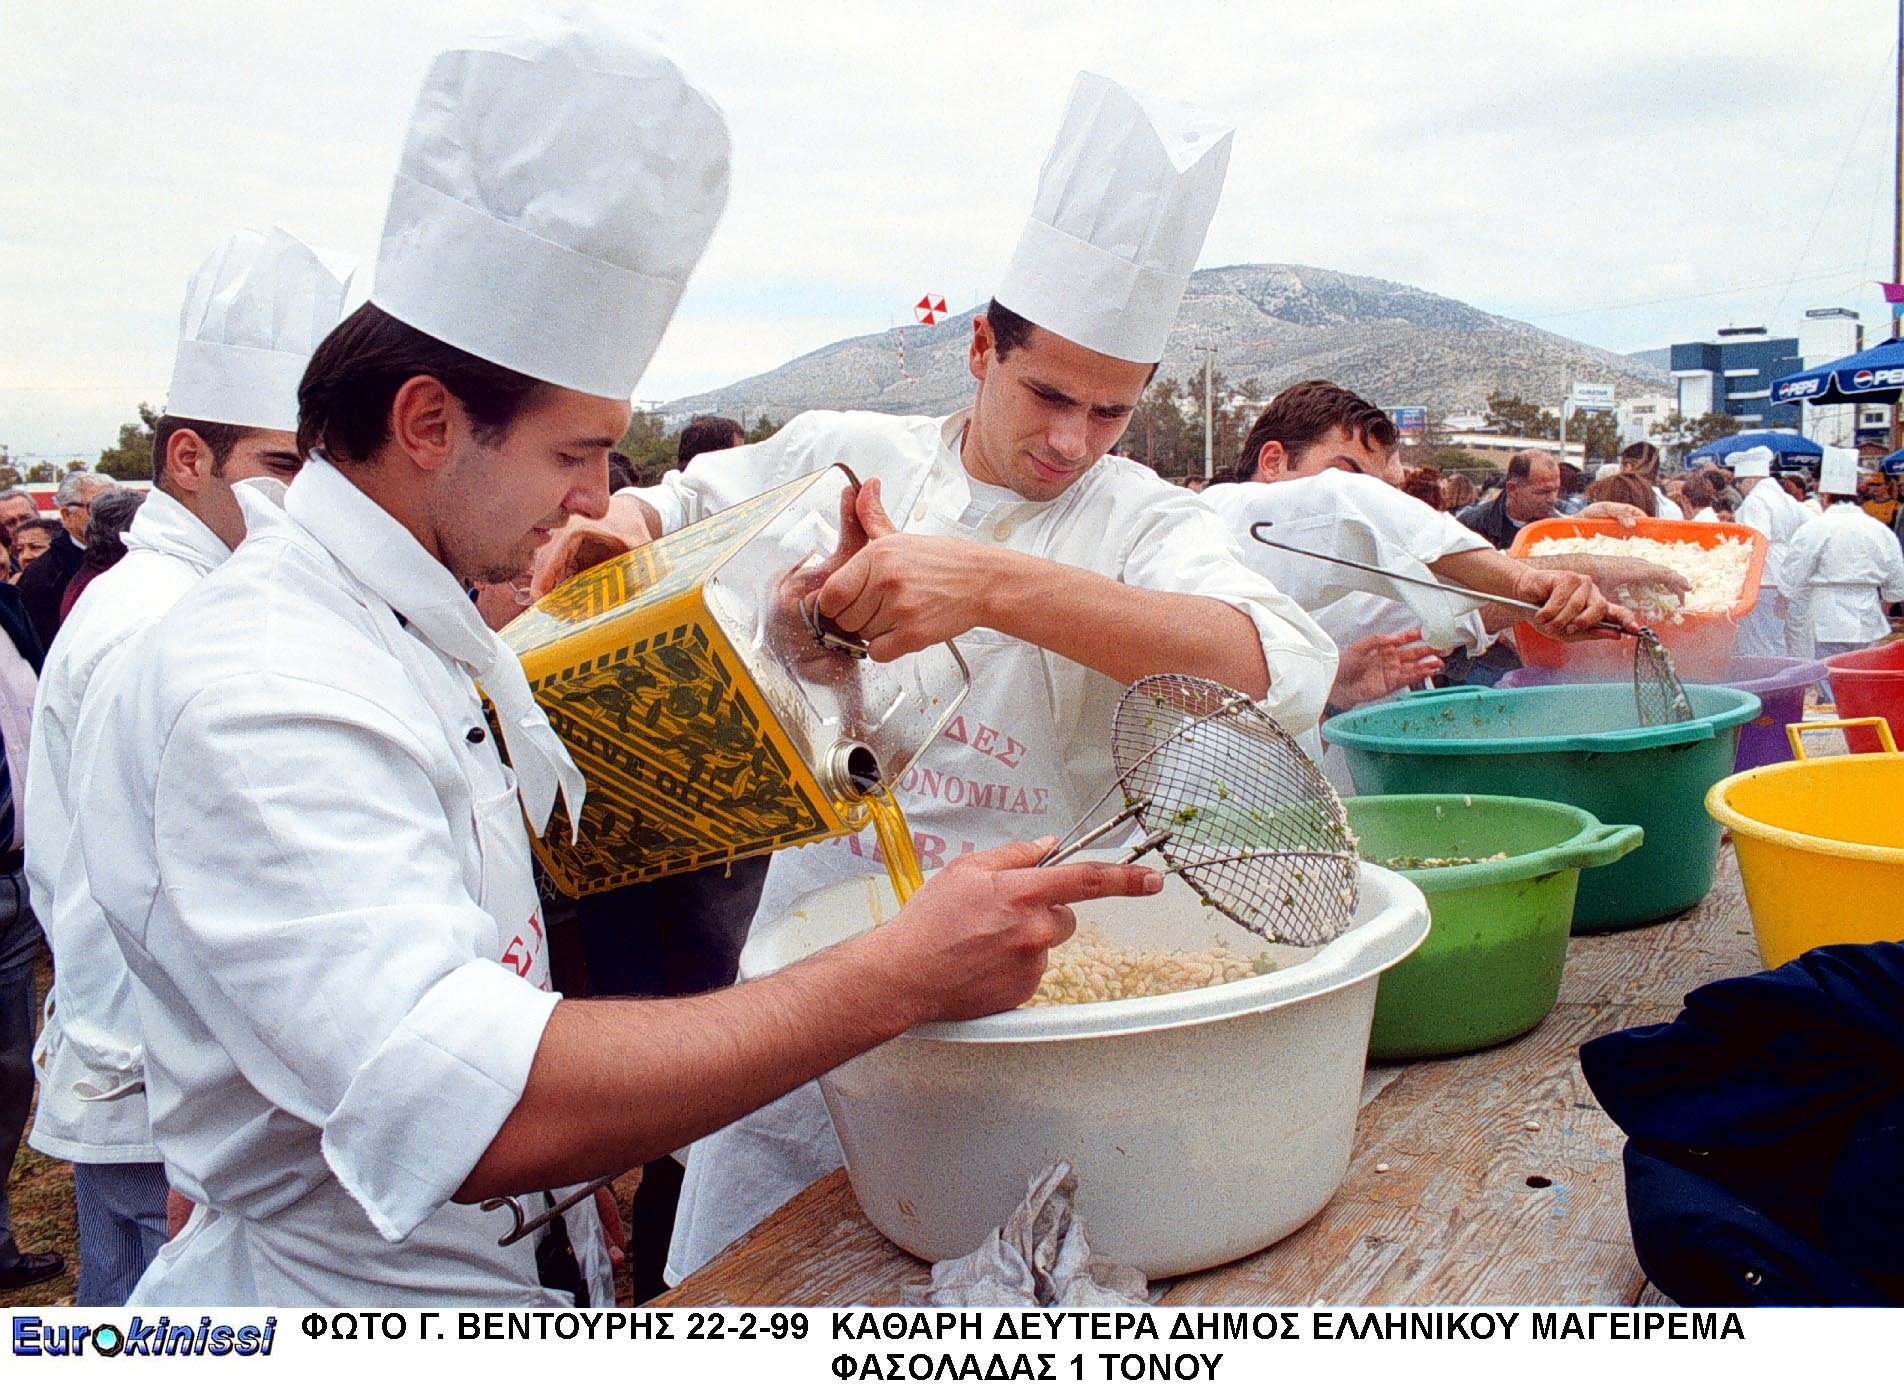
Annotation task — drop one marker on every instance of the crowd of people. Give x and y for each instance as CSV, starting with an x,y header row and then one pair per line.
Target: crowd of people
x,y
302,1022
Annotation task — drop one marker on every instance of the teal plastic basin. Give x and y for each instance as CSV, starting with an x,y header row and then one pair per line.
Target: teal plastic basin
x,y
1575,744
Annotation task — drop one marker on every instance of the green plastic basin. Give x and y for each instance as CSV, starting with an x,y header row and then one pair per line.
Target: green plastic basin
x,y
1574,744
1490,967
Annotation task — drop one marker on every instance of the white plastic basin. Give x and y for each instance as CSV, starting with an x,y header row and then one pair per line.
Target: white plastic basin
x,y
1203,1125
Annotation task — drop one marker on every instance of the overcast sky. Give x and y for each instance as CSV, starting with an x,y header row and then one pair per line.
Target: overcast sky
x,y
1628,174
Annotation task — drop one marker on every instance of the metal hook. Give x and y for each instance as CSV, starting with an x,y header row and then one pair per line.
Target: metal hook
x,y
523,1228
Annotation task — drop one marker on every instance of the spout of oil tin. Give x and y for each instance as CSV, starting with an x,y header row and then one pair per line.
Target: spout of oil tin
x,y
851,771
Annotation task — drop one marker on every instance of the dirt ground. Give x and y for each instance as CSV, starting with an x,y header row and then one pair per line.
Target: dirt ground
x,y
40,1194
40,1191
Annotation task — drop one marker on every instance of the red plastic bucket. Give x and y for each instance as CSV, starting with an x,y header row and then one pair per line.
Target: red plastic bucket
x,y
1869,683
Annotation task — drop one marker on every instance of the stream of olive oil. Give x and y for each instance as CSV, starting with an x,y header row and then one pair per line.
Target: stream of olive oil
x,y
895,843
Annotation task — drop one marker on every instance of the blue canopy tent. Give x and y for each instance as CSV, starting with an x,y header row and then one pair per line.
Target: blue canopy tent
x,y
1790,449
1874,376
1893,464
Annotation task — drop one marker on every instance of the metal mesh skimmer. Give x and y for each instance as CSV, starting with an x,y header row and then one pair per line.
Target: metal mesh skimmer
x,y
1234,806
1657,692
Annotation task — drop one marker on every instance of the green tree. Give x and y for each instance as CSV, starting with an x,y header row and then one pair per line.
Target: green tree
x,y
130,459
9,475
41,472
1161,435
1709,428
648,446
1676,435
1598,432
1446,458
1510,414
764,428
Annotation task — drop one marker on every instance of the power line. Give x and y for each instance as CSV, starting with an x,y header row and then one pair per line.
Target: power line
x,y
1884,69
1686,298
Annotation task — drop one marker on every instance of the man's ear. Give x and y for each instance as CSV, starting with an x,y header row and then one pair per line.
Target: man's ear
x,y
979,355
1271,459
424,420
188,462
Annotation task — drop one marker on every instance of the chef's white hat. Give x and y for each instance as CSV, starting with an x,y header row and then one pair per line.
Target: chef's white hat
x,y
1123,202
254,312
560,179
1838,474
1751,462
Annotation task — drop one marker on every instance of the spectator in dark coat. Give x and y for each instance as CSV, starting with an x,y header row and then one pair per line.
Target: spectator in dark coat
x,y
1532,490
105,541
44,582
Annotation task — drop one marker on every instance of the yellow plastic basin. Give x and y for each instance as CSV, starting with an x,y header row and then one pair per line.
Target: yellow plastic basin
x,y
1821,850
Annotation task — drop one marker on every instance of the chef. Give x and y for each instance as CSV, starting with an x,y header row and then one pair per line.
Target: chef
x,y
1313,468
254,311
1840,569
294,813
1063,573
1768,508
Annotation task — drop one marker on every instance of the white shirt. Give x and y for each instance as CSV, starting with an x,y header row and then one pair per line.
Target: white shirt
x,y
90,1057
1840,569
1770,509
1028,752
1358,517
316,866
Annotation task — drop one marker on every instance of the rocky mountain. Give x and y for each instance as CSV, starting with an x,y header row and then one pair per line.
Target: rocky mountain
x,y
1395,344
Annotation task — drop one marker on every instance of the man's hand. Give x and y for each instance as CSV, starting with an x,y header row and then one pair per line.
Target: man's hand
x,y
614,1231
177,1210
582,543
974,939
1571,606
1616,574
1375,666
1628,516
900,593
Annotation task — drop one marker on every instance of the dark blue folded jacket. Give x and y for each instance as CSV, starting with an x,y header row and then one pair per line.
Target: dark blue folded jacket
x,y
1765,1164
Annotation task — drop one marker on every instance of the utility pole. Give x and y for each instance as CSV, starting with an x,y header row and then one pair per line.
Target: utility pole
x,y
1209,414
1897,227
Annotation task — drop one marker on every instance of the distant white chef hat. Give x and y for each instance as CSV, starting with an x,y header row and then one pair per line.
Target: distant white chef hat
x,y
254,312
1751,462
1838,474
560,178
1123,203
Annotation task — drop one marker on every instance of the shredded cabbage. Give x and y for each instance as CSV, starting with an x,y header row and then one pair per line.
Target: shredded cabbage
x,y
1716,574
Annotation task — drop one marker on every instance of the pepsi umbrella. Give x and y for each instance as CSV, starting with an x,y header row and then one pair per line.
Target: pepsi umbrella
x,y
1893,463
1874,376
1788,448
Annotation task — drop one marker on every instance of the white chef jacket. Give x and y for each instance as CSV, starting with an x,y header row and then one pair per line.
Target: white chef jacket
x,y
316,866
1358,517
90,1058
1029,750
1355,517
1769,509
1840,569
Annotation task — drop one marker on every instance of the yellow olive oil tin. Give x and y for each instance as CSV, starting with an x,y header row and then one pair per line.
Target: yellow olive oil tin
x,y
709,718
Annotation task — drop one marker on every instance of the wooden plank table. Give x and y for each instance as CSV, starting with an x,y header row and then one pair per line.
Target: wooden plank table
x,y
1503,1181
